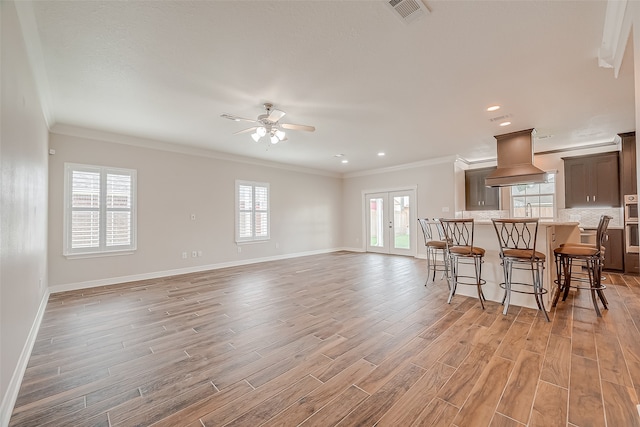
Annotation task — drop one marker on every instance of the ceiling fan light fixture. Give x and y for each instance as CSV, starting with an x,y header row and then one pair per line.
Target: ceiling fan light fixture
x,y
274,139
261,131
280,134
255,136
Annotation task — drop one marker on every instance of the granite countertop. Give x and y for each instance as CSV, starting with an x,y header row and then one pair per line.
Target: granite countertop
x,y
542,222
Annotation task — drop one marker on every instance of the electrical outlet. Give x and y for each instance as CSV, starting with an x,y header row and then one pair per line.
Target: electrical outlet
x,y
184,255
194,254
193,217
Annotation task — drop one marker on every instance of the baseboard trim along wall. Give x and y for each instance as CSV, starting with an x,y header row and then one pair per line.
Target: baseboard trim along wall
x,y
196,269
9,399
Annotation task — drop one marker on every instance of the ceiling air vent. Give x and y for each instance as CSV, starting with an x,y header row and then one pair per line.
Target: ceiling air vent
x,y
500,118
408,10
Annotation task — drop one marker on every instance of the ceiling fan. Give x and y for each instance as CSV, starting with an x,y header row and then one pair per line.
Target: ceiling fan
x,y
268,124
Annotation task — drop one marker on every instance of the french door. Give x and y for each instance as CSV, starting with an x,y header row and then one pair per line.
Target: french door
x,y
390,218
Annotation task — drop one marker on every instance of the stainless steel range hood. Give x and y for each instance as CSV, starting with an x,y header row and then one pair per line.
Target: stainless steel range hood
x,y
515,161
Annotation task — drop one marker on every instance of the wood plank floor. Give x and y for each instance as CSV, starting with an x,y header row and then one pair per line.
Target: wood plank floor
x,y
338,339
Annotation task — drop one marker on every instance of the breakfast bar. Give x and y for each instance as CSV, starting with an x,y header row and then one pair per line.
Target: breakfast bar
x,y
551,234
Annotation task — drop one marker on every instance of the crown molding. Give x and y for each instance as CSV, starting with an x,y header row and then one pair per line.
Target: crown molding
x,y
617,27
104,136
406,166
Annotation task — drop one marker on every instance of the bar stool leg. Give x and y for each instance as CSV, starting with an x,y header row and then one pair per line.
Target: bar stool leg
x,y
453,265
434,252
428,265
568,266
599,286
558,260
477,261
538,282
506,299
591,270
446,268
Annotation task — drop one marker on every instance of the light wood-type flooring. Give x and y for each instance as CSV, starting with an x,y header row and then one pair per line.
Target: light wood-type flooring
x,y
337,339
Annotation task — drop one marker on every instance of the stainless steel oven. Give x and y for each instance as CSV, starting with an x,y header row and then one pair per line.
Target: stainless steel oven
x,y
631,223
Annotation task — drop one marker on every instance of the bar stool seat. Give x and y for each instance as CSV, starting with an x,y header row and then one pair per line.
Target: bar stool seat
x,y
592,255
524,254
437,244
467,250
517,239
458,235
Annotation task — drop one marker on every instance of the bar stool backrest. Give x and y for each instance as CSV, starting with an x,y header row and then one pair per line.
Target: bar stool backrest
x,y
440,229
426,229
517,234
458,232
601,233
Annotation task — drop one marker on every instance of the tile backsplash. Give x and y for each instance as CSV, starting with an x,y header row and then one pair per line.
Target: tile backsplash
x,y
589,217
484,215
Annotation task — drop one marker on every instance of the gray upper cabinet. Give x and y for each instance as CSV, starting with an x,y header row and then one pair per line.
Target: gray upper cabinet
x,y
479,197
592,181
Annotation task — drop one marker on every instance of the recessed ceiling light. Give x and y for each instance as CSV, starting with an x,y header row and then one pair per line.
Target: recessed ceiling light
x,y
339,155
381,154
345,161
493,108
505,123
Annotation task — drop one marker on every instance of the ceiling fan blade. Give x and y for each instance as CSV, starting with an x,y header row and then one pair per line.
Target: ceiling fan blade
x,y
297,127
246,130
236,118
275,115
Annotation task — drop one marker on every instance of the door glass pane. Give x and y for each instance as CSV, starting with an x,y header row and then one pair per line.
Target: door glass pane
x,y
376,218
401,227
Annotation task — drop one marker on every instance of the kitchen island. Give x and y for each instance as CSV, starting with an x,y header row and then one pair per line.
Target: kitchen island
x,y
551,234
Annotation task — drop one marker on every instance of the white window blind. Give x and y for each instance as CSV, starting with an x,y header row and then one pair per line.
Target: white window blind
x,y
99,209
252,211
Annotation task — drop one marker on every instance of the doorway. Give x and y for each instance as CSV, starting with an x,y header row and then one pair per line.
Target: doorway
x,y
390,218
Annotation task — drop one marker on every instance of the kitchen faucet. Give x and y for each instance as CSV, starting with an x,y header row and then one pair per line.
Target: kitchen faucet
x,y
527,210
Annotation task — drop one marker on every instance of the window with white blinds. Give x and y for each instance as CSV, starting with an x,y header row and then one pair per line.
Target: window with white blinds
x,y
252,211
99,209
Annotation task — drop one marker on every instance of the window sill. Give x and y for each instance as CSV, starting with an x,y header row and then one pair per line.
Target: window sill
x,y
250,242
100,254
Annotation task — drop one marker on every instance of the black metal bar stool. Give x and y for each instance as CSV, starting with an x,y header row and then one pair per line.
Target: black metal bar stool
x,y
593,258
434,247
517,239
458,235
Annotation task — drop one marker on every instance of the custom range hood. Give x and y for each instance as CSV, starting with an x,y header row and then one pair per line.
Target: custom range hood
x,y
515,161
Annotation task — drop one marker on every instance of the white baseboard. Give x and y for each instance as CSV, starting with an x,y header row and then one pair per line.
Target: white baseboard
x,y
9,399
352,249
196,269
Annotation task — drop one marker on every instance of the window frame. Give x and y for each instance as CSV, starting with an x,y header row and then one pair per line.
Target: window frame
x,y
102,249
554,198
252,211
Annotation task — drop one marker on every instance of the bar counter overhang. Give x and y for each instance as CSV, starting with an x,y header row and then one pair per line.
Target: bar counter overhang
x,y
551,234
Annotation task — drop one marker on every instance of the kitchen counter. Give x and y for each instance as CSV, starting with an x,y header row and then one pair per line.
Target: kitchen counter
x,y
551,234
542,222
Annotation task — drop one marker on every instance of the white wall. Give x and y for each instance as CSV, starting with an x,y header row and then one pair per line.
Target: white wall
x,y
306,211
23,209
436,189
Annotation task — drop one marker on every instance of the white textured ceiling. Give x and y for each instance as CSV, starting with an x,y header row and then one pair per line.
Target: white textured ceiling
x,y
367,81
